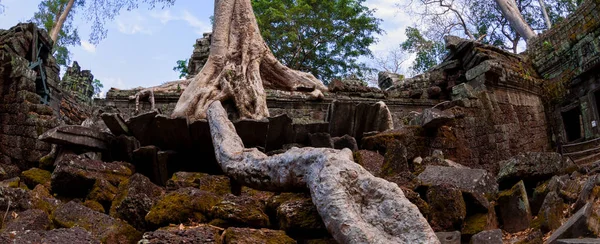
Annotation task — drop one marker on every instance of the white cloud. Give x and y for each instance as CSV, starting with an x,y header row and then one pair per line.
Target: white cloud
x,y
111,82
88,47
132,23
165,17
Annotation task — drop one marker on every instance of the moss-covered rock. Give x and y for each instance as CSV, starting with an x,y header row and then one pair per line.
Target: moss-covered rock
x,y
241,211
75,176
218,184
252,236
260,196
15,199
182,205
447,208
43,200
14,182
63,235
187,234
107,229
103,192
513,208
134,199
395,160
94,205
551,212
299,218
533,167
416,199
35,176
412,137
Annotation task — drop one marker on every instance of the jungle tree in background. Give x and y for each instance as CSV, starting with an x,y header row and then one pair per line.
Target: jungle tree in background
x,y
325,38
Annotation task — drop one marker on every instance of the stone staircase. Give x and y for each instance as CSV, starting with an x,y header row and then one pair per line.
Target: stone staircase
x,y
583,153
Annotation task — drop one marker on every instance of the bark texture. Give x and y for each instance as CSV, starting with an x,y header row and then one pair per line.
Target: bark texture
x,y
513,15
239,68
61,21
355,206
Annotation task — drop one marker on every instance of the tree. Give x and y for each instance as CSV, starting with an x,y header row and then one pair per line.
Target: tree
x,y
182,68
391,61
325,38
428,52
97,84
512,13
49,11
96,11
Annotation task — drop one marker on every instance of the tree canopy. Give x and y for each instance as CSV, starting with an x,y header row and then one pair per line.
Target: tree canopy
x,y
47,16
324,38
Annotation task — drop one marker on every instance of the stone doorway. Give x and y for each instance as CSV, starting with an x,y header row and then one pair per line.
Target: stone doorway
x,y
572,121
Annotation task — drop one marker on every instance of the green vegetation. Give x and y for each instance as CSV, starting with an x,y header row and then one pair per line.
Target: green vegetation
x,y
182,68
324,38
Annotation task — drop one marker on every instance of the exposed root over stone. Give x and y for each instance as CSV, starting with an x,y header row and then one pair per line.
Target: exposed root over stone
x,y
355,206
239,67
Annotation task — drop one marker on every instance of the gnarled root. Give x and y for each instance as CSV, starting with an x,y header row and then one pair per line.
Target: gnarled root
x,y
239,67
355,206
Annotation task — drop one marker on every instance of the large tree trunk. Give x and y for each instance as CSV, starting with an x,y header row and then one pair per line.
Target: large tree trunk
x,y
239,67
513,15
61,21
355,206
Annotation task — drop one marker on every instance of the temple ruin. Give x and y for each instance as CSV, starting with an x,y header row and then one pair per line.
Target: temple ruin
x,y
488,147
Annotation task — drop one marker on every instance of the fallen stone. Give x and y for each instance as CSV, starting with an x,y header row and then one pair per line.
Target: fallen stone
x,y
75,176
101,226
12,183
141,127
534,167
252,236
386,79
301,131
395,160
551,212
345,141
134,199
320,140
447,208
146,161
240,211
102,192
299,218
204,234
14,199
487,237
404,179
35,176
171,133
449,237
122,148
280,132
218,184
585,194
56,236
462,91
579,241
33,219
467,180
8,171
513,208
539,193
434,118
115,124
42,199
181,206
370,160
77,136
253,132
584,223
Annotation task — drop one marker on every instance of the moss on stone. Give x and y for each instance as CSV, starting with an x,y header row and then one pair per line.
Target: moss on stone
x,y
47,162
180,206
475,224
94,205
248,236
35,176
122,192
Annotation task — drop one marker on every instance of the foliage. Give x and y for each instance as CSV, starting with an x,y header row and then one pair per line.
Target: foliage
x,y
46,17
97,84
182,68
324,38
428,52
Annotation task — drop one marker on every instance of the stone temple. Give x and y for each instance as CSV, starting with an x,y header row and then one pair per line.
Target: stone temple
x,y
491,146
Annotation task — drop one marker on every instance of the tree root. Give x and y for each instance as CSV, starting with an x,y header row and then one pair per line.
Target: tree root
x,y
355,206
239,68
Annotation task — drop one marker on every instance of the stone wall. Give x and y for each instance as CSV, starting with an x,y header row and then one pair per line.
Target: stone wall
x,y
200,55
27,107
79,83
571,47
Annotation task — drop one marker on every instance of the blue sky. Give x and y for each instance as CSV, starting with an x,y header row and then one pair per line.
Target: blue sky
x,y
143,45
